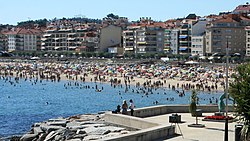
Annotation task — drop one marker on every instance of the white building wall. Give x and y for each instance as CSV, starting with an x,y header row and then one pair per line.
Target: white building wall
x,y
198,45
11,42
174,41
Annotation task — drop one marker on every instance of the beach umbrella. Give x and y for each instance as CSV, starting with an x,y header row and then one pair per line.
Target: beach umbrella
x,y
191,62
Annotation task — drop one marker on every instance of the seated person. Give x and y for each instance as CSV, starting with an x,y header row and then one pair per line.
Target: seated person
x,y
117,110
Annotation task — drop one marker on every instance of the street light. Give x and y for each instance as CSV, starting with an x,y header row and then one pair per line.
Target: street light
x,y
226,92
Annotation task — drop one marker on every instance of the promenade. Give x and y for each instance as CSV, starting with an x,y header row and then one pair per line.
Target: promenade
x,y
213,131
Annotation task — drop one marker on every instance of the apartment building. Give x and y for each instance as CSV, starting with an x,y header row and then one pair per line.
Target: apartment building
x,y
245,8
198,37
247,40
22,39
3,42
109,36
171,41
198,45
129,39
67,35
185,39
143,39
229,30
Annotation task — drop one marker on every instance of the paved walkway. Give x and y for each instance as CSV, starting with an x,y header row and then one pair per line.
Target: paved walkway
x,y
213,131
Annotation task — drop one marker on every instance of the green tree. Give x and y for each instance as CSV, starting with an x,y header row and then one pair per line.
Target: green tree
x,y
239,90
192,106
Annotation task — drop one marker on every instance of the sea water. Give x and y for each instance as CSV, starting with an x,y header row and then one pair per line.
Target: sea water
x,y
26,102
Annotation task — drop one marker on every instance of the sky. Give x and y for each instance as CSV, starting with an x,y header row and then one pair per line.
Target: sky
x,y
15,11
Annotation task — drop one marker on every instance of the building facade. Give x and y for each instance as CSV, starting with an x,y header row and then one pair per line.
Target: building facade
x,y
198,38
143,39
3,42
247,41
171,41
22,39
228,31
198,45
109,36
68,36
185,38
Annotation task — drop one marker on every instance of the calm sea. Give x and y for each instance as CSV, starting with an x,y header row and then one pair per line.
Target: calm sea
x,y
25,103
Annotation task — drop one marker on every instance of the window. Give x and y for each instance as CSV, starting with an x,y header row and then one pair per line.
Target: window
x,y
216,31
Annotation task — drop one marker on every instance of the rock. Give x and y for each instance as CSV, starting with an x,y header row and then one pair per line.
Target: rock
x,y
110,135
42,137
48,129
79,131
74,140
58,123
28,137
124,132
81,136
75,125
106,132
51,135
96,131
37,124
114,129
37,130
91,137
58,137
68,134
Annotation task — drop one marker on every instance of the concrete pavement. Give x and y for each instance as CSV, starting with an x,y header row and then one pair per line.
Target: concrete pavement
x,y
213,131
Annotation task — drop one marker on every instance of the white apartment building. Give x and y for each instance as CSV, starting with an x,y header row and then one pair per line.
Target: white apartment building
x,y
198,38
23,39
69,37
143,39
171,41
198,45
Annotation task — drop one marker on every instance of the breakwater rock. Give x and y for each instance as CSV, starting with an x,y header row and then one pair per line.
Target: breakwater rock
x,y
75,128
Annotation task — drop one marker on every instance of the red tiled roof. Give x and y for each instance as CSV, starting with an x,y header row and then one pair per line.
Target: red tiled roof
x,y
24,31
228,19
242,8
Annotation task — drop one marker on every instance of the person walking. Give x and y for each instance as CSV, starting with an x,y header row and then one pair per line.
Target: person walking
x,y
131,107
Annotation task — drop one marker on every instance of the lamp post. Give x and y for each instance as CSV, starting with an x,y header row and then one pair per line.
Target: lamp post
x,y
226,92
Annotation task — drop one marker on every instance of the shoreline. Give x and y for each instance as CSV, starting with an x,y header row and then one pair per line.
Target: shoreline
x,y
176,82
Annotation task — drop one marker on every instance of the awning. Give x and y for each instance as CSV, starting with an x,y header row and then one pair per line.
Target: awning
x,y
129,49
44,39
57,48
43,48
183,48
183,36
46,35
42,43
72,47
71,39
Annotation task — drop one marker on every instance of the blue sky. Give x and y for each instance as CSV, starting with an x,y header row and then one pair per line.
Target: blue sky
x,y
15,11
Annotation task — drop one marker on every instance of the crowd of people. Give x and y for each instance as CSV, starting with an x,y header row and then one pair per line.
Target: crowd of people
x,y
145,78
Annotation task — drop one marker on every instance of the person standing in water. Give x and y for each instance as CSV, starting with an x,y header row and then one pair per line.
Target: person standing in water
x,y
131,107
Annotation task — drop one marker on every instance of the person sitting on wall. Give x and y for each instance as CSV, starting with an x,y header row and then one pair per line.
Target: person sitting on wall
x,y
117,110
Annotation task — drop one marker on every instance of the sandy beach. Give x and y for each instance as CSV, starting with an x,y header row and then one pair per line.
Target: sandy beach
x,y
182,78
